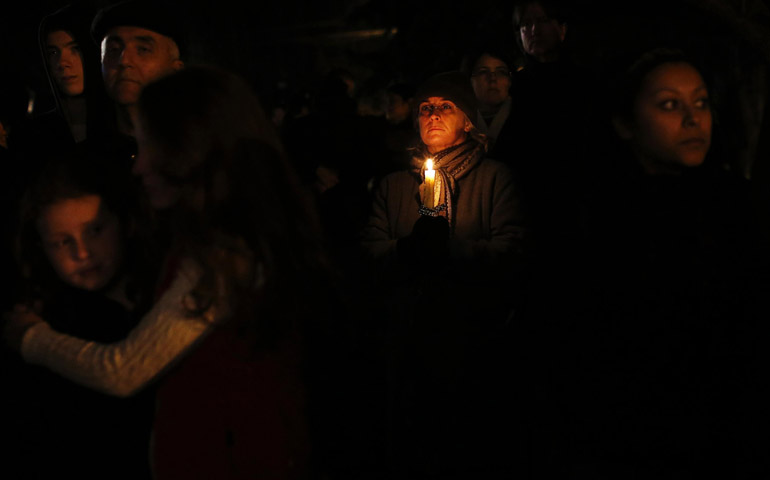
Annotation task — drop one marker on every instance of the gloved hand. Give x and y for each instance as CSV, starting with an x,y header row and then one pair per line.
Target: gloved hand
x,y
428,240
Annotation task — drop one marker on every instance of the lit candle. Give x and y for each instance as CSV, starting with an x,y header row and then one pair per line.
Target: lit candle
x,y
430,179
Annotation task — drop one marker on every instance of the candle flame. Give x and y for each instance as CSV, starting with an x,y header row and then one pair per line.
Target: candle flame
x,y
429,164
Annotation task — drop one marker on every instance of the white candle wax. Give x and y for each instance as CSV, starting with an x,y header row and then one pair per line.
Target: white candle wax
x,y
430,179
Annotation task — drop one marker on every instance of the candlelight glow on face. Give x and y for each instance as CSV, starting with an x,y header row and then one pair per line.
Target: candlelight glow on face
x,y
442,124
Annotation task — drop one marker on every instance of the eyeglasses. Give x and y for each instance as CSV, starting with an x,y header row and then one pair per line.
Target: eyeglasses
x,y
427,109
488,74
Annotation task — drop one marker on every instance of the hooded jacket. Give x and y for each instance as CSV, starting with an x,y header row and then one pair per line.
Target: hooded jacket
x,y
75,19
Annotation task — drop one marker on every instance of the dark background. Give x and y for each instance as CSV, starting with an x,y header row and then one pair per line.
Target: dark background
x,y
284,47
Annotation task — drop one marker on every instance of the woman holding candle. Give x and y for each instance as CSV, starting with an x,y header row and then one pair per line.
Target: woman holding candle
x,y
445,235
468,207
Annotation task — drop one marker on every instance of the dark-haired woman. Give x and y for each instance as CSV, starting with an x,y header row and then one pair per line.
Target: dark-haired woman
x,y
245,283
475,199
490,70
668,281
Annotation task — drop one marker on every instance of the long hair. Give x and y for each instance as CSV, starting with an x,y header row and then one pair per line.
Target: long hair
x,y
243,213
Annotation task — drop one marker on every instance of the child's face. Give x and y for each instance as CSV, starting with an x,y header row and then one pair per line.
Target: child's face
x,y
82,240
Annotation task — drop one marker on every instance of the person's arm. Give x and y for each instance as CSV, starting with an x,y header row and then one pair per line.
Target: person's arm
x,y
164,335
377,237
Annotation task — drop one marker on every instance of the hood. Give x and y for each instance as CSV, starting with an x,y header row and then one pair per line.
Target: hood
x,y
76,20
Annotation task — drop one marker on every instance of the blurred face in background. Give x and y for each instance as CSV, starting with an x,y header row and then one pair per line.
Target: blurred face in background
x,y
82,240
398,109
541,36
148,165
491,80
671,119
65,62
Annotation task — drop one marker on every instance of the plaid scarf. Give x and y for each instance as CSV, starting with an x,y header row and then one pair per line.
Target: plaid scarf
x,y
450,165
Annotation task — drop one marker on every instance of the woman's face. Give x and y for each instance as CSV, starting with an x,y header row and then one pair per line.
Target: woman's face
x,y
491,80
82,240
161,193
442,124
671,124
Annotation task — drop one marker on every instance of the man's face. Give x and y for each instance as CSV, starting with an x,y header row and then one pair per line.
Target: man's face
x,y
65,62
541,35
134,57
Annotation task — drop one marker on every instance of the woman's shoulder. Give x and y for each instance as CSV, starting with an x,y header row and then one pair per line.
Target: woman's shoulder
x,y
493,165
493,169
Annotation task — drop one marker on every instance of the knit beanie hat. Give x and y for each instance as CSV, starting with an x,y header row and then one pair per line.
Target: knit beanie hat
x,y
150,15
453,86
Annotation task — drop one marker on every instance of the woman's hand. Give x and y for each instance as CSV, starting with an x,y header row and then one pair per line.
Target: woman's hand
x,y
16,323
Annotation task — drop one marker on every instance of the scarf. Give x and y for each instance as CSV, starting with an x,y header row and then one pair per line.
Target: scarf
x,y
451,165
492,130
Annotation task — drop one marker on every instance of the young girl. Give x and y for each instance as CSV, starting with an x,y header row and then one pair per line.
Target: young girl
x,y
78,229
245,285
73,246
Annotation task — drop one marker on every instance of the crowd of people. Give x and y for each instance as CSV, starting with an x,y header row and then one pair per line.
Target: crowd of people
x,y
498,277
